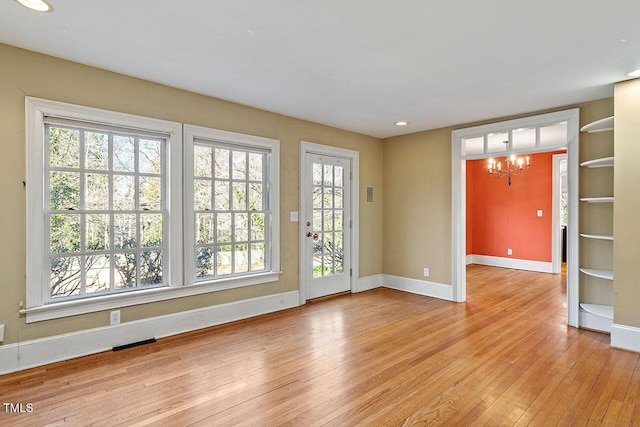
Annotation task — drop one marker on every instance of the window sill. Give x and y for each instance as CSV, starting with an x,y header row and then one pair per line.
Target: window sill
x,y
143,296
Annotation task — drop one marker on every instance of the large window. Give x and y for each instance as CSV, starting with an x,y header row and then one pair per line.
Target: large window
x,y
232,202
104,209
106,197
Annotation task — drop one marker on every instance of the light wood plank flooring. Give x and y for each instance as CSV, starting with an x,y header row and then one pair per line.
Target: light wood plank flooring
x,y
383,357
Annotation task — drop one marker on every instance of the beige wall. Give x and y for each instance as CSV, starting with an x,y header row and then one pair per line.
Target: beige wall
x,y
24,73
626,216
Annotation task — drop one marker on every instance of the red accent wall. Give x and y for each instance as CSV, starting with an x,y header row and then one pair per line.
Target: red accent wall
x,y
501,217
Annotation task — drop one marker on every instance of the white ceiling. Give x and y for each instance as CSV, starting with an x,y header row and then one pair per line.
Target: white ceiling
x,y
359,65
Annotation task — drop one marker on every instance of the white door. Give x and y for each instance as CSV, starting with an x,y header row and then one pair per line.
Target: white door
x,y
327,225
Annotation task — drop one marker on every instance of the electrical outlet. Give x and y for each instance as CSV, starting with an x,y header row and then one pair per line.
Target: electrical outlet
x,y
540,212
2,332
426,272
509,251
114,317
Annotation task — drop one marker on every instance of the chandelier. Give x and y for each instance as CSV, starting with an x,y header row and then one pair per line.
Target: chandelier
x,y
512,166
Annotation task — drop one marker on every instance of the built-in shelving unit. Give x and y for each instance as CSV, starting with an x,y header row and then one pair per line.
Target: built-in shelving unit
x,y
598,317
601,125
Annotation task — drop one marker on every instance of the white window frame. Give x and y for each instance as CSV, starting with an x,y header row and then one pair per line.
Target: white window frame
x,y
193,133
37,253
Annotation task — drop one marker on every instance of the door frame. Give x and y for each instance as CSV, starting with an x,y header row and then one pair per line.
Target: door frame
x,y
556,246
307,147
458,200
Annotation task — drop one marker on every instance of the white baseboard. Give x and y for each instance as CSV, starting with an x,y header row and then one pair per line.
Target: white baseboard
x,y
369,282
420,287
515,263
29,354
625,337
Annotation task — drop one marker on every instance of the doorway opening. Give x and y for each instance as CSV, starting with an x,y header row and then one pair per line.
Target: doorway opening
x,y
535,134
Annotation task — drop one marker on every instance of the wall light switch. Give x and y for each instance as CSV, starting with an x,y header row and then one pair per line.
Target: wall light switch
x,y
293,216
540,212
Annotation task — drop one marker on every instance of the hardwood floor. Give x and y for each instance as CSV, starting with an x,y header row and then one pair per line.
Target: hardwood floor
x,y
383,357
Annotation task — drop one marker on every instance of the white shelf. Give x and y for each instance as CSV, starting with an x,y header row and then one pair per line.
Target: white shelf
x,y
601,125
605,311
605,162
597,317
602,274
597,236
597,199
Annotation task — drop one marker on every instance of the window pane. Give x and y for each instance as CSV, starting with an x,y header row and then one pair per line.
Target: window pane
x,y
317,219
65,277
124,231
97,232
223,260
202,157
202,194
257,226
338,252
96,195
496,142
151,228
317,197
65,233
241,255
123,153
239,196
524,138
338,199
471,146
554,135
222,196
339,179
328,175
123,192
317,266
204,228
223,224
125,269
256,162
257,257
150,193
317,174
64,147
239,165
337,224
241,227
98,273
150,156
204,263
96,148
255,196
327,200
64,190
151,268
222,163
328,221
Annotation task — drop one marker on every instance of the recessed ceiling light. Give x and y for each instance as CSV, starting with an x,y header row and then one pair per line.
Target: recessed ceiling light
x,y
635,73
37,5
401,123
